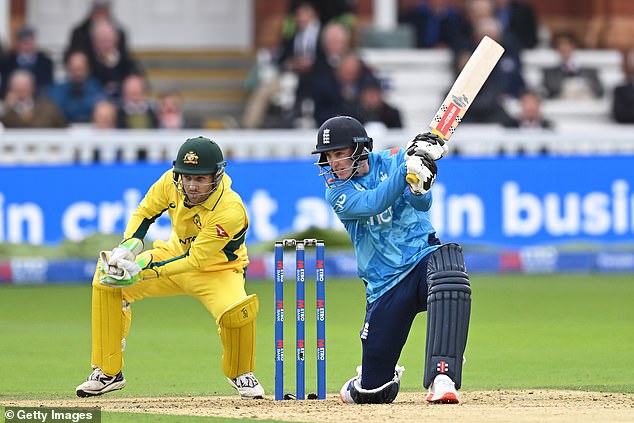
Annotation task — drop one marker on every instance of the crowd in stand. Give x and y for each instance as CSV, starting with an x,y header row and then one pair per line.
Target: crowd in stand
x,y
322,54
105,86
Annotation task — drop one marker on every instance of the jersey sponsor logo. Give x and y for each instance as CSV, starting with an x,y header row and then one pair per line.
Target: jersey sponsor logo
x,y
325,137
340,202
379,219
187,240
220,231
190,158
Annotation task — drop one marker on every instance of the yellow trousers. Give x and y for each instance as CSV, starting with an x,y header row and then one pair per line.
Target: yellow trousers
x,y
217,291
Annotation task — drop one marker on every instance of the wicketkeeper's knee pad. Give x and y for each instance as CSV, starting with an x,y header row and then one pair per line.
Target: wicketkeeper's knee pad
x,y
236,326
448,310
107,328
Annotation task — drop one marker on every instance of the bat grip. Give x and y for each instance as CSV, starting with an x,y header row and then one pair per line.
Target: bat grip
x,y
411,179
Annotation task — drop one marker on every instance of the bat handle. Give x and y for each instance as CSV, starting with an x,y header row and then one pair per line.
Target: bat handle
x,y
411,179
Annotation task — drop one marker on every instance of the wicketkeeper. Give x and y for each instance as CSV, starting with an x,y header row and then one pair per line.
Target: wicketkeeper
x,y
405,268
205,257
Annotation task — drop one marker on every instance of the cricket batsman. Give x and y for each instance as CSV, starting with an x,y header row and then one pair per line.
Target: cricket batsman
x,y
405,268
205,257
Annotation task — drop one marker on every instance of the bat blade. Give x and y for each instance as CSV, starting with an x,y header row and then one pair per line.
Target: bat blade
x,y
464,90
466,87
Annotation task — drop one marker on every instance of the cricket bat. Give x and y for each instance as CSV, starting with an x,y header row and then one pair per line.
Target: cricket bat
x,y
464,90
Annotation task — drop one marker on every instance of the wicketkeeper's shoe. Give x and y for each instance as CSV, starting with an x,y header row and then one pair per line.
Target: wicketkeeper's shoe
x,y
99,383
247,386
443,391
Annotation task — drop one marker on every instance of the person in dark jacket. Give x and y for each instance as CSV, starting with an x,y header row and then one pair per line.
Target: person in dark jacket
x,y
27,56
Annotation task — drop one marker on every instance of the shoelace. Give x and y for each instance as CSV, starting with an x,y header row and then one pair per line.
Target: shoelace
x,y
248,381
96,375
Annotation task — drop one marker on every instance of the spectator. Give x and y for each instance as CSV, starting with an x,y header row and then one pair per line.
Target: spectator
x,y
436,23
297,54
475,12
373,108
505,81
623,98
109,66
518,18
26,56
338,94
329,11
22,109
170,112
81,36
77,96
135,110
104,115
569,80
530,113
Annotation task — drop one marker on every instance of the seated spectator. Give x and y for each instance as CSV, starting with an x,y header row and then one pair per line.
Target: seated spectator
x,y
170,112
109,66
22,109
339,93
569,80
329,12
27,56
104,115
81,35
504,82
135,110
373,107
623,98
77,96
518,18
530,113
436,23
297,54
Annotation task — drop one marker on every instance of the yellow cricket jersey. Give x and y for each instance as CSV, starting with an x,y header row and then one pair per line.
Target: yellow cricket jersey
x,y
206,237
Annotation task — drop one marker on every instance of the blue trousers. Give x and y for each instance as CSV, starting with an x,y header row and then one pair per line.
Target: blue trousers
x,y
388,321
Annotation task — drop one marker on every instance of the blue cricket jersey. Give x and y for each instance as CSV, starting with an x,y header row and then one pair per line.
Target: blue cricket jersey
x,y
388,225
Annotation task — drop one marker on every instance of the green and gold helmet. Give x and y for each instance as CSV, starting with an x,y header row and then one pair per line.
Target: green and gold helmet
x,y
199,156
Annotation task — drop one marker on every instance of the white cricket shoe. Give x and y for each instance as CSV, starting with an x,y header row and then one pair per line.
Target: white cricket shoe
x,y
247,386
99,383
443,391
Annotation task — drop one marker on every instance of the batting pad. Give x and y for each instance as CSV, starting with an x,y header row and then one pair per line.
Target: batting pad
x,y
448,310
236,326
107,328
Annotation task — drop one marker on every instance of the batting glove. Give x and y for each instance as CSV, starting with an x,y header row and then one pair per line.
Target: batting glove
x,y
425,170
133,271
128,250
427,144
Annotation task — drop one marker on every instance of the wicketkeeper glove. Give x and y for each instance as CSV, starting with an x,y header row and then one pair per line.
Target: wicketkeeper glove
x,y
127,249
427,144
132,272
425,170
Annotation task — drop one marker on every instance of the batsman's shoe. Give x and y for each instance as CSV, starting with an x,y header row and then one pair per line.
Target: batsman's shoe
x,y
443,391
344,393
99,383
247,386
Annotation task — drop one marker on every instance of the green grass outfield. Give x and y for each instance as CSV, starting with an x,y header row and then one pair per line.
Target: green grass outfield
x,y
546,331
